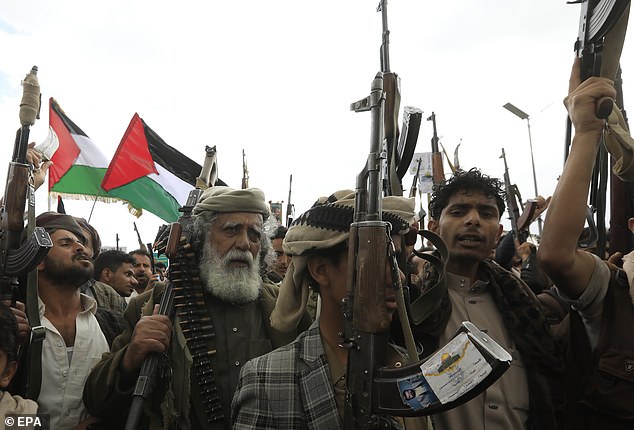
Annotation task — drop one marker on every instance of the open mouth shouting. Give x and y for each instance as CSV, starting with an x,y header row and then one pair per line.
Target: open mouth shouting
x,y
470,240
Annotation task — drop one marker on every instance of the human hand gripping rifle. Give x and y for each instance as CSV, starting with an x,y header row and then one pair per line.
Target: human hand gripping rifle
x,y
601,33
176,242
373,391
17,258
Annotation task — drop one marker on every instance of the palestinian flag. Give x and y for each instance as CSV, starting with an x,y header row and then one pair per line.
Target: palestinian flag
x,y
78,164
149,174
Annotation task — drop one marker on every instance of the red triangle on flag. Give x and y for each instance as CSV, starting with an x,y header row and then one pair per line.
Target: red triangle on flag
x,y
68,150
132,159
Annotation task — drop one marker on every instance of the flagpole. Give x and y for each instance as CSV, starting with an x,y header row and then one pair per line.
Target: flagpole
x,y
93,205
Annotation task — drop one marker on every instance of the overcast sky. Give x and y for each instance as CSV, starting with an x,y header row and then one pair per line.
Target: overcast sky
x,y
276,79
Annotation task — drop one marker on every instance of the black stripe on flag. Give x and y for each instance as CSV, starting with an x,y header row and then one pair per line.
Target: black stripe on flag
x,y
70,125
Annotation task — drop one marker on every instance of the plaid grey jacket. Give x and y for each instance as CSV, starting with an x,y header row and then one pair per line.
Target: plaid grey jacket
x,y
288,388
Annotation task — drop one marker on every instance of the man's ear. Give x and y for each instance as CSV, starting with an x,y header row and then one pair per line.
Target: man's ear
x,y
8,373
630,224
318,270
432,225
105,275
500,231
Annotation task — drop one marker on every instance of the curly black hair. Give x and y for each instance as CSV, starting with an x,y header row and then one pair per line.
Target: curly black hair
x,y
472,180
8,333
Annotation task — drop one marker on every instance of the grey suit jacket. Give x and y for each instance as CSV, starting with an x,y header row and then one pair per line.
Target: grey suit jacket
x,y
288,388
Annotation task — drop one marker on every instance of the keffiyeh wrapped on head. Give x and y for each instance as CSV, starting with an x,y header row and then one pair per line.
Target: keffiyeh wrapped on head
x,y
324,226
226,199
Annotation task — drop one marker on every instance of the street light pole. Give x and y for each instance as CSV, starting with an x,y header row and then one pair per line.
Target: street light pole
x,y
523,115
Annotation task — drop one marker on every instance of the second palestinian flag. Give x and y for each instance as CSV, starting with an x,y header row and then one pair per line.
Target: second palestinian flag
x,y
149,174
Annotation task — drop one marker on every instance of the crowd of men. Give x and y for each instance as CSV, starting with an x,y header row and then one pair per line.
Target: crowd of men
x,y
255,340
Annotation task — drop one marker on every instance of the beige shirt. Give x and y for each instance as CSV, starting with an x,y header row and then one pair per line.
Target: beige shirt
x,y
505,404
590,304
64,375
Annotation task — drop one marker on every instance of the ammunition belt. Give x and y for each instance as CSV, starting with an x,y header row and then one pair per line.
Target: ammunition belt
x,y
195,322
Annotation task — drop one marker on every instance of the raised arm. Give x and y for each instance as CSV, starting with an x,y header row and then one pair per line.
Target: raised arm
x,y
568,267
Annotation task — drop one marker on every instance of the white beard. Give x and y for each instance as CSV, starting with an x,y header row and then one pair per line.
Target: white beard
x,y
236,285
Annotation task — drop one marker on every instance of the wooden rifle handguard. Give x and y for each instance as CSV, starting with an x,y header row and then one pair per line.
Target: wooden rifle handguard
x,y
526,218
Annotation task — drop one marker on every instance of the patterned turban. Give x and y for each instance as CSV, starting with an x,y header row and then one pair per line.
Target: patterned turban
x,y
324,226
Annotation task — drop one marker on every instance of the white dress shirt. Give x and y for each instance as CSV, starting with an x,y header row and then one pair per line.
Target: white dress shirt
x,y
64,374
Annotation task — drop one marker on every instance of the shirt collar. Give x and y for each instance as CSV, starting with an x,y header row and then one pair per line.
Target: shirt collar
x,y
88,304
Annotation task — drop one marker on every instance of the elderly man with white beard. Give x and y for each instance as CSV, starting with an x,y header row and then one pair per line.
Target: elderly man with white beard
x,y
227,324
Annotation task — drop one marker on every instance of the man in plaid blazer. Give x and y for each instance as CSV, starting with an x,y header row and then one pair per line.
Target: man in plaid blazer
x,y
302,385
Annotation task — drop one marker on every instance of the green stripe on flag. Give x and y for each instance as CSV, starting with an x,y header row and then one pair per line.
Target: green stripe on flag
x,y
146,194
81,180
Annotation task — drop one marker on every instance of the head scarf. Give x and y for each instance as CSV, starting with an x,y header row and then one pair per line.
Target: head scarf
x,y
226,199
53,221
323,226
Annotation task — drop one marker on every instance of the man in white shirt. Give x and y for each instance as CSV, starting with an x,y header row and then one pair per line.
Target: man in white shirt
x,y
74,340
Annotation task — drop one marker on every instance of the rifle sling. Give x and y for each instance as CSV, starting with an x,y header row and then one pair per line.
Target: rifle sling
x,y
38,332
430,299
618,140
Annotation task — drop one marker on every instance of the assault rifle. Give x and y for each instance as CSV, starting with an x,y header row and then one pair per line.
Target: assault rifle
x,y
372,390
514,201
174,241
412,191
290,208
437,168
138,237
602,28
17,258
245,172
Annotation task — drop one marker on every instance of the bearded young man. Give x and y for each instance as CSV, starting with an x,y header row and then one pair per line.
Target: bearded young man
x,y
234,306
77,332
143,271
